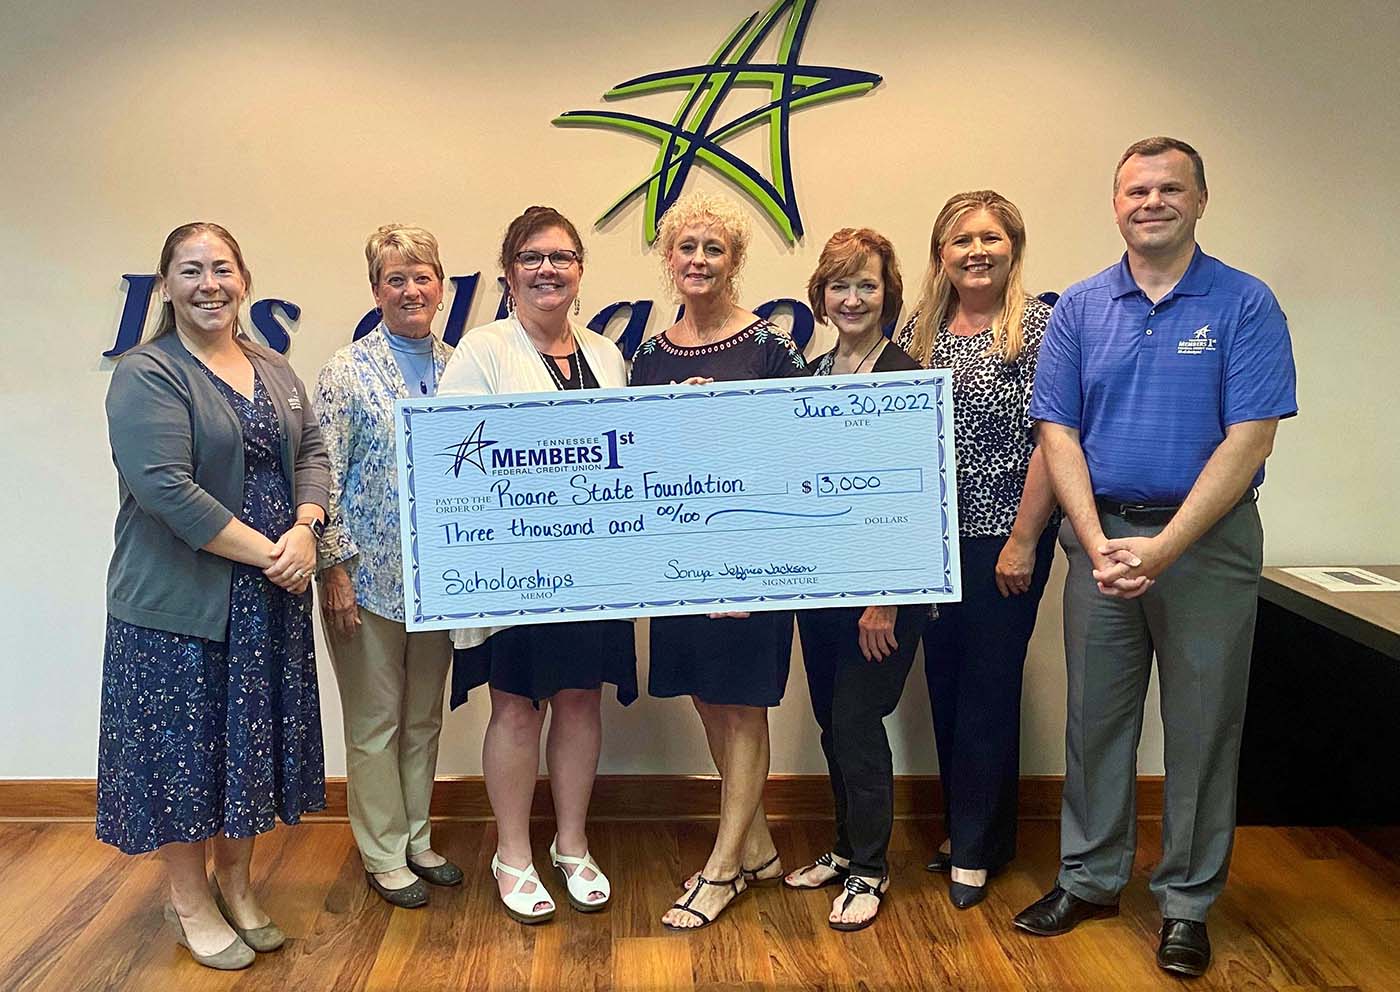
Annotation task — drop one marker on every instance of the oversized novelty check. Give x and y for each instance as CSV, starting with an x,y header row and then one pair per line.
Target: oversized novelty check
x,y
758,495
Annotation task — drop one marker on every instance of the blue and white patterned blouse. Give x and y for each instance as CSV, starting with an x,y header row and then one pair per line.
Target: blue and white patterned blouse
x,y
355,395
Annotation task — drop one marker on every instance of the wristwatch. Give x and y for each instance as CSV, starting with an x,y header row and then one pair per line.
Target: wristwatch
x,y
317,527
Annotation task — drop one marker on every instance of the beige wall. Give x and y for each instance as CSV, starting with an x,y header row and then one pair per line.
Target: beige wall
x,y
303,129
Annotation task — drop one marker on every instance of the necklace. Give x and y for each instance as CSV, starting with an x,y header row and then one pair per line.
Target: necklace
x,y
554,373
879,340
414,363
694,327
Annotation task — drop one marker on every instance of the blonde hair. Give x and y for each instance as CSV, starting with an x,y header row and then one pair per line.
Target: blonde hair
x,y
412,244
845,254
938,298
711,210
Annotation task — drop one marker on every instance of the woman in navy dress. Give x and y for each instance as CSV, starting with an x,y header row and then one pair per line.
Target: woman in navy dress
x,y
210,727
733,666
857,658
533,669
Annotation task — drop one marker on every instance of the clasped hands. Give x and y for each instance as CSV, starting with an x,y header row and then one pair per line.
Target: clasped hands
x,y
1126,567
293,560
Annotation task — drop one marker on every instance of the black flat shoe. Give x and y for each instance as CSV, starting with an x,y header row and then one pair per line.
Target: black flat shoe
x,y
1059,912
942,863
966,896
1185,948
444,874
408,897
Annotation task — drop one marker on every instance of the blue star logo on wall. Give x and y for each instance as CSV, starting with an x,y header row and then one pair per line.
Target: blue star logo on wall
x,y
694,136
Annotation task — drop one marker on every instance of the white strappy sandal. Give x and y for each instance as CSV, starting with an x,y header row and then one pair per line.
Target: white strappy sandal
x,y
576,887
520,906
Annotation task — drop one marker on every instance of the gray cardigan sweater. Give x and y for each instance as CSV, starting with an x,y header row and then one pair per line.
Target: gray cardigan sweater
x,y
178,448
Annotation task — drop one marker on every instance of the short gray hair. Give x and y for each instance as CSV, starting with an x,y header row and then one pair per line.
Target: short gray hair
x,y
412,244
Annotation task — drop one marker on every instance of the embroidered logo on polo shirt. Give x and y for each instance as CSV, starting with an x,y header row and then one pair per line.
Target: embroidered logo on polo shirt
x,y
1199,341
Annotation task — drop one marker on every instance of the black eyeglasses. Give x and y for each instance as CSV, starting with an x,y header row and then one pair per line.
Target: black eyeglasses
x,y
561,259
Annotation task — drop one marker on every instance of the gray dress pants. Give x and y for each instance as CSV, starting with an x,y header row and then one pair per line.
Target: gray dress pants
x,y
1198,619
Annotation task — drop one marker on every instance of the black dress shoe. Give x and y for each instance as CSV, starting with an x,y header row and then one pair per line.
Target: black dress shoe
x,y
1059,912
942,862
444,874
409,897
1185,947
966,896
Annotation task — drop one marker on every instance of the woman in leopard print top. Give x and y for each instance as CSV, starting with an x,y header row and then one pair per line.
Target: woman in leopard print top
x,y
975,318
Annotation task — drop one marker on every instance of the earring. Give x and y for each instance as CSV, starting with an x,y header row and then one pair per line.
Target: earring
x,y
576,308
439,304
164,298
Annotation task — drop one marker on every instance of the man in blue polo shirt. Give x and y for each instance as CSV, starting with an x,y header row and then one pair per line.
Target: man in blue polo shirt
x,y
1160,384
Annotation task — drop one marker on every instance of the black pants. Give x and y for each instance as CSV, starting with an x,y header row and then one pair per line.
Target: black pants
x,y
851,697
974,654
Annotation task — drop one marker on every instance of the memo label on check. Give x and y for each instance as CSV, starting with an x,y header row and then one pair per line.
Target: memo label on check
x,y
663,500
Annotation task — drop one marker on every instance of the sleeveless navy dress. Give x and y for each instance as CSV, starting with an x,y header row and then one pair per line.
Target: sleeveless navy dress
x,y
727,660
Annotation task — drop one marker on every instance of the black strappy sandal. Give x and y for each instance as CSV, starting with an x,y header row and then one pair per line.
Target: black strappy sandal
x,y
827,860
857,886
751,874
700,882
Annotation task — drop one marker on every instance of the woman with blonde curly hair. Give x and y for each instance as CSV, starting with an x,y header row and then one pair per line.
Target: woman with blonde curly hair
x,y
733,666
975,319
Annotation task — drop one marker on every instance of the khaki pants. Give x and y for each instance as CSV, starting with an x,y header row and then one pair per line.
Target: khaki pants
x,y
391,695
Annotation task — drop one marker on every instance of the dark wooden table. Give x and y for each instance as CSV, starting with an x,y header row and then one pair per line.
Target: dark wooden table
x,y
1322,732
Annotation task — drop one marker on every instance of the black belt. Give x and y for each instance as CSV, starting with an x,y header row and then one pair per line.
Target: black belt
x,y
1153,513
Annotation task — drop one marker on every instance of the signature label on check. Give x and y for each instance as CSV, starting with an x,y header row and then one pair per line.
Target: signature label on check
x,y
762,495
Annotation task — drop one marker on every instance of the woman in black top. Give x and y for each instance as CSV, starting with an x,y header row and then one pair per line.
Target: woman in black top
x,y
857,658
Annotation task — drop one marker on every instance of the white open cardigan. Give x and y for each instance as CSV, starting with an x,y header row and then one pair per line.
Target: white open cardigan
x,y
499,358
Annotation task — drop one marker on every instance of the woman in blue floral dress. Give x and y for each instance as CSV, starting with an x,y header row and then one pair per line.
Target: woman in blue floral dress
x,y
211,726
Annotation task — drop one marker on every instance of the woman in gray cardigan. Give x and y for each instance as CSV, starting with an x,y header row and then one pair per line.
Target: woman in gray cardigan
x,y
211,725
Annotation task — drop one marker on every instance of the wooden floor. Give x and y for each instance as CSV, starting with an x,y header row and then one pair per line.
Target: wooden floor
x,y
1305,909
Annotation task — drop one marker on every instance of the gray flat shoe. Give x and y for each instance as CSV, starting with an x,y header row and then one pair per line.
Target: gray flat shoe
x,y
408,897
235,957
261,939
444,874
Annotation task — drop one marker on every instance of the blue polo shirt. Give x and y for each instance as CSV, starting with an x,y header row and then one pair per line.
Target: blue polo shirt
x,y
1151,388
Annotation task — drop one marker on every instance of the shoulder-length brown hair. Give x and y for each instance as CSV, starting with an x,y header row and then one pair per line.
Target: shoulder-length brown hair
x,y
938,299
526,226
166,322
846,253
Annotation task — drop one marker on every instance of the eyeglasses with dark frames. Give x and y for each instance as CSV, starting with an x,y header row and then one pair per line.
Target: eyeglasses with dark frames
x,y
561,259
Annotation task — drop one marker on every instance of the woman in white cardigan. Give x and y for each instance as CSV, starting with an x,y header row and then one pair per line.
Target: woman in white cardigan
x,y
532,669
